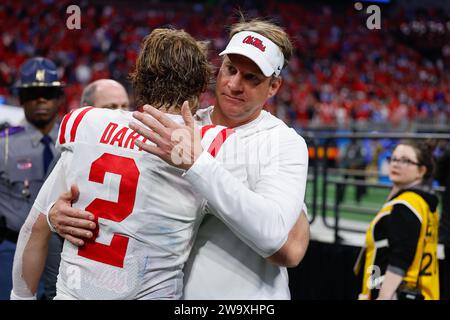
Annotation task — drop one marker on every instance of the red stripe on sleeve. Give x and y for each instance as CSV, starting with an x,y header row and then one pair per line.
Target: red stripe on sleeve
x,y
62,131
205,129
219,140
76,123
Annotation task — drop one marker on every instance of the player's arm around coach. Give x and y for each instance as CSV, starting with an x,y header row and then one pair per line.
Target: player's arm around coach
x,y
267,220
75,225
266,217
264,212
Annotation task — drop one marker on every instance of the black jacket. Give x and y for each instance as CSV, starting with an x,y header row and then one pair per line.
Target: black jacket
x,y
443,176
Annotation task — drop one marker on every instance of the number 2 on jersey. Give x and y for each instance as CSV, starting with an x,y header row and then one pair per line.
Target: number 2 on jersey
x,y
113,254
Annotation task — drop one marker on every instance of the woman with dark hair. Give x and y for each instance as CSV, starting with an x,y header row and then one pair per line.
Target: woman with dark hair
x,y
401,242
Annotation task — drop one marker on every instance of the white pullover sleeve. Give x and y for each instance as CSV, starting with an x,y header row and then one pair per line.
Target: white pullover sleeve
x,y
262,216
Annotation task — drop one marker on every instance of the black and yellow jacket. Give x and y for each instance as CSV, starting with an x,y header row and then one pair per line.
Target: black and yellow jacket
x,y
403,238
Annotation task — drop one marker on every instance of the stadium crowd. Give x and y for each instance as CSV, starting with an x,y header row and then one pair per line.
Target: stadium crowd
x,y
341,74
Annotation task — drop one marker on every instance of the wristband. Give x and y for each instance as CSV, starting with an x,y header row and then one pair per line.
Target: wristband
x,y
52,229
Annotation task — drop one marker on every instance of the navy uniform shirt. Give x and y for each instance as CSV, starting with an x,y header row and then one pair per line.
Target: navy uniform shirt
x,y
21,172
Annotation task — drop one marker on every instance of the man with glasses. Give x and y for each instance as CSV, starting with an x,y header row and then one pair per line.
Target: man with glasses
x,y
25,155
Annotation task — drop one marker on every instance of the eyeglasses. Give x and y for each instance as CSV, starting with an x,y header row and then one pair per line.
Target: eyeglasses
x,y
28,94
402,161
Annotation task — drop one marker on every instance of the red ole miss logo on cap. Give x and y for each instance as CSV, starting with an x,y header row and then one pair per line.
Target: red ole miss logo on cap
x,y
254,42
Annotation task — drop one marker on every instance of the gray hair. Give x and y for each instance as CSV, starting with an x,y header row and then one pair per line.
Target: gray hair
x,y
87,97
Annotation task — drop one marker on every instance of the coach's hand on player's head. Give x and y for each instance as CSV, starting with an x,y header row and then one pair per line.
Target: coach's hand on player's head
x,y
177,144
72,224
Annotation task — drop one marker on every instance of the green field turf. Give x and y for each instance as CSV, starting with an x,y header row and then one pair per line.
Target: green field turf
x,y
373,200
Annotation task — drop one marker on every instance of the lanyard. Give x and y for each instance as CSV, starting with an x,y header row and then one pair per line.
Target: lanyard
x,y
6,147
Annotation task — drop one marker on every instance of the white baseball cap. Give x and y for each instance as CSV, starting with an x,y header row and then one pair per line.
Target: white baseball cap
x,y
262,51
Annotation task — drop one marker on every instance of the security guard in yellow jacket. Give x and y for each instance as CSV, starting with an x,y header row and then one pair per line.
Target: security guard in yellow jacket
x,y
401,242
403,237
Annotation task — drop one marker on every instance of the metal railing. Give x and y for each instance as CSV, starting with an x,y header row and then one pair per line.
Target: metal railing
x,y
319,172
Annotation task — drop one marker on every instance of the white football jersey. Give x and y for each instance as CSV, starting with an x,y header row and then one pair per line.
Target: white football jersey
x,y
147,213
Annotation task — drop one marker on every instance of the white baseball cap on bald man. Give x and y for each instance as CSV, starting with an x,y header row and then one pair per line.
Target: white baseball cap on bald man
x,y
262,51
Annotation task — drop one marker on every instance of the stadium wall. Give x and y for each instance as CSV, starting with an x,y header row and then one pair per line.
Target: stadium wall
x,y
326,273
